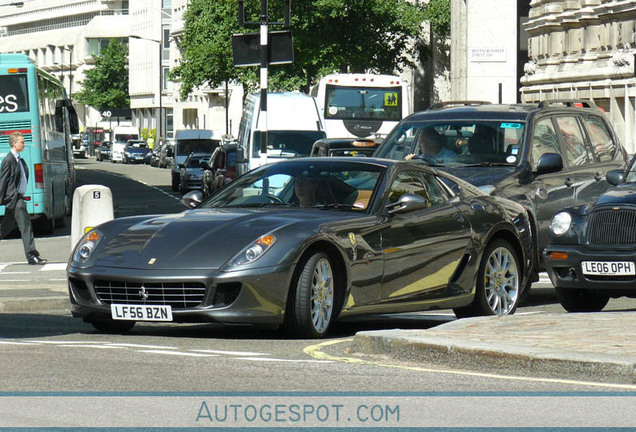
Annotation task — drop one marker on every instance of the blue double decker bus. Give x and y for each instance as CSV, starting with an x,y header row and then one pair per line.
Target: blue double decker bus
x,y
34,102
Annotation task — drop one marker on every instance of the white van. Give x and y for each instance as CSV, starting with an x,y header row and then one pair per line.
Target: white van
x,y
293,125
188,141
120,137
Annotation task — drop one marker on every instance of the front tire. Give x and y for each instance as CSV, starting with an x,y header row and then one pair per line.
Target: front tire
x,y
498,283
580,300
312,298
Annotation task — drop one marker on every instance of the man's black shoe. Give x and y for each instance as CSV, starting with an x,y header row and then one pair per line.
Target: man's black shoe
x,y
37,260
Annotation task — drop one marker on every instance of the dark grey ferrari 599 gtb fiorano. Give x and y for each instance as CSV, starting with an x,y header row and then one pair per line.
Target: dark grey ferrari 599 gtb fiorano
x,y
304,242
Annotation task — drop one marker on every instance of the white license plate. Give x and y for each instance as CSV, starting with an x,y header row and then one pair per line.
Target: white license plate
x,y
609,268
140,312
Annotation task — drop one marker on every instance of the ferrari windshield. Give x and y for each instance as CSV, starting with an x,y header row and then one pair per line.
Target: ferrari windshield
x,y
457,143
303,183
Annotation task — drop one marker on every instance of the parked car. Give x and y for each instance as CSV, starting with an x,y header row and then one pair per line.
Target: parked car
x,y
155,154
344,147
191,172
592,251
544,156
303,242
220,169
79,147
166,155
102,152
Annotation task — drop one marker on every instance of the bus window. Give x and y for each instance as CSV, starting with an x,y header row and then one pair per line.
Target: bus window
x,y
361,105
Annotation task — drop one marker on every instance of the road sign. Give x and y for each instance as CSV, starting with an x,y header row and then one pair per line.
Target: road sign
x,y
246,48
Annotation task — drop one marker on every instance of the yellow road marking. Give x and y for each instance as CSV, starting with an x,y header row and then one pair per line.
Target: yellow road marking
x,y
315,351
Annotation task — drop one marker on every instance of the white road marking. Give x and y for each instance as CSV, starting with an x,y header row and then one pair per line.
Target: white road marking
x,y
92,346
53,267
232,353
15,343
56,342
129,345
178,353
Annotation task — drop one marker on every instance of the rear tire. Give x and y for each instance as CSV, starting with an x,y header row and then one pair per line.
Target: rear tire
x,y
580,300
498,282
311,305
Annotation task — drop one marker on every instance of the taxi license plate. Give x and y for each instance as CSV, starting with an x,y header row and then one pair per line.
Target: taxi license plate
x,y
608,268
140,312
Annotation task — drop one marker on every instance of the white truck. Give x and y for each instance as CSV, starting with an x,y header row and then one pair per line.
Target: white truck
x,y
119,137
293,125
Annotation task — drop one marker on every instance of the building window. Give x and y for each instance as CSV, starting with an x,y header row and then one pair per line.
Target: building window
x,y
97,46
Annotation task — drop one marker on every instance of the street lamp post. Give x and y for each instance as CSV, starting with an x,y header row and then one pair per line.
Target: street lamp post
x,y
160,122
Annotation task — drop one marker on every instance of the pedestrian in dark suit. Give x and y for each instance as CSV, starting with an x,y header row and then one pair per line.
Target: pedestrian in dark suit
x,y
14,175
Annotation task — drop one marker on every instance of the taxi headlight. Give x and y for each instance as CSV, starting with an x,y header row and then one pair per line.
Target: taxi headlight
x,y
561,223
86,246
253,251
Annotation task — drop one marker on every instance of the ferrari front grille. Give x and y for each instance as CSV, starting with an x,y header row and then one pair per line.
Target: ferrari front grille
x,y
179,295
612,227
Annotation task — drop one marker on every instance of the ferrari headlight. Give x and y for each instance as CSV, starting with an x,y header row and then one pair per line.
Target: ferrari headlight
x,y
86,246
254,251
561,223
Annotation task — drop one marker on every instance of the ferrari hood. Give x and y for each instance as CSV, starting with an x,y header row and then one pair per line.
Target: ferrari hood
x,y
192,239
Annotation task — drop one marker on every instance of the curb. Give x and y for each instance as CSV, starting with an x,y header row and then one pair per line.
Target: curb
x,y
415,347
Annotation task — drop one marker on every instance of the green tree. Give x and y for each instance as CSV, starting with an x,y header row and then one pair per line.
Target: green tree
x,y
106,85
438,13
329,36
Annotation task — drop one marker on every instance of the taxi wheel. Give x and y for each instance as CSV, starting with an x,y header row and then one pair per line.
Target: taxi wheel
x,y
498,282
311,306
580,300
111,326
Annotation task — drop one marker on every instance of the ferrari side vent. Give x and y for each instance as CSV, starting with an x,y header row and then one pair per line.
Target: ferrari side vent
x,y
80,292
226,293
460,268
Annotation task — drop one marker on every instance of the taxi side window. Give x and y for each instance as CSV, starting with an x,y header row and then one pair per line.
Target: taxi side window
x,y
576,152
418,183
544,140
602,142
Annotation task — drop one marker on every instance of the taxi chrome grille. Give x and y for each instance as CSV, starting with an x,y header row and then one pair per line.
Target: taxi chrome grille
x,y
179,295
612,227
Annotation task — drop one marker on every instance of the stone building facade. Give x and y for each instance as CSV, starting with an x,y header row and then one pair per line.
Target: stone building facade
x,y
584,49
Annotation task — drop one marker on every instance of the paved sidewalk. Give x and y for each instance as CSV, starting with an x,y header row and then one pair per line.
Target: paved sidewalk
x,y
599,347
25,288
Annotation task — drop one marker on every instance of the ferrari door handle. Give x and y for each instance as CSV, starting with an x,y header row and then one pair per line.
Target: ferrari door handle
x,y
598,176
568,182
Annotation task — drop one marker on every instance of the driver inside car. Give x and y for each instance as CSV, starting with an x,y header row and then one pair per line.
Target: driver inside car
x,y
431,147
305,189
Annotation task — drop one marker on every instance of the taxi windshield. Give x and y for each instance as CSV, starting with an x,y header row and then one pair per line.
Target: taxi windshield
x,y
457,143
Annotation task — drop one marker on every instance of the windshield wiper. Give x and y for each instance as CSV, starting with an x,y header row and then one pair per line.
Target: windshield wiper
x,y
427,160
486,164
333,206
